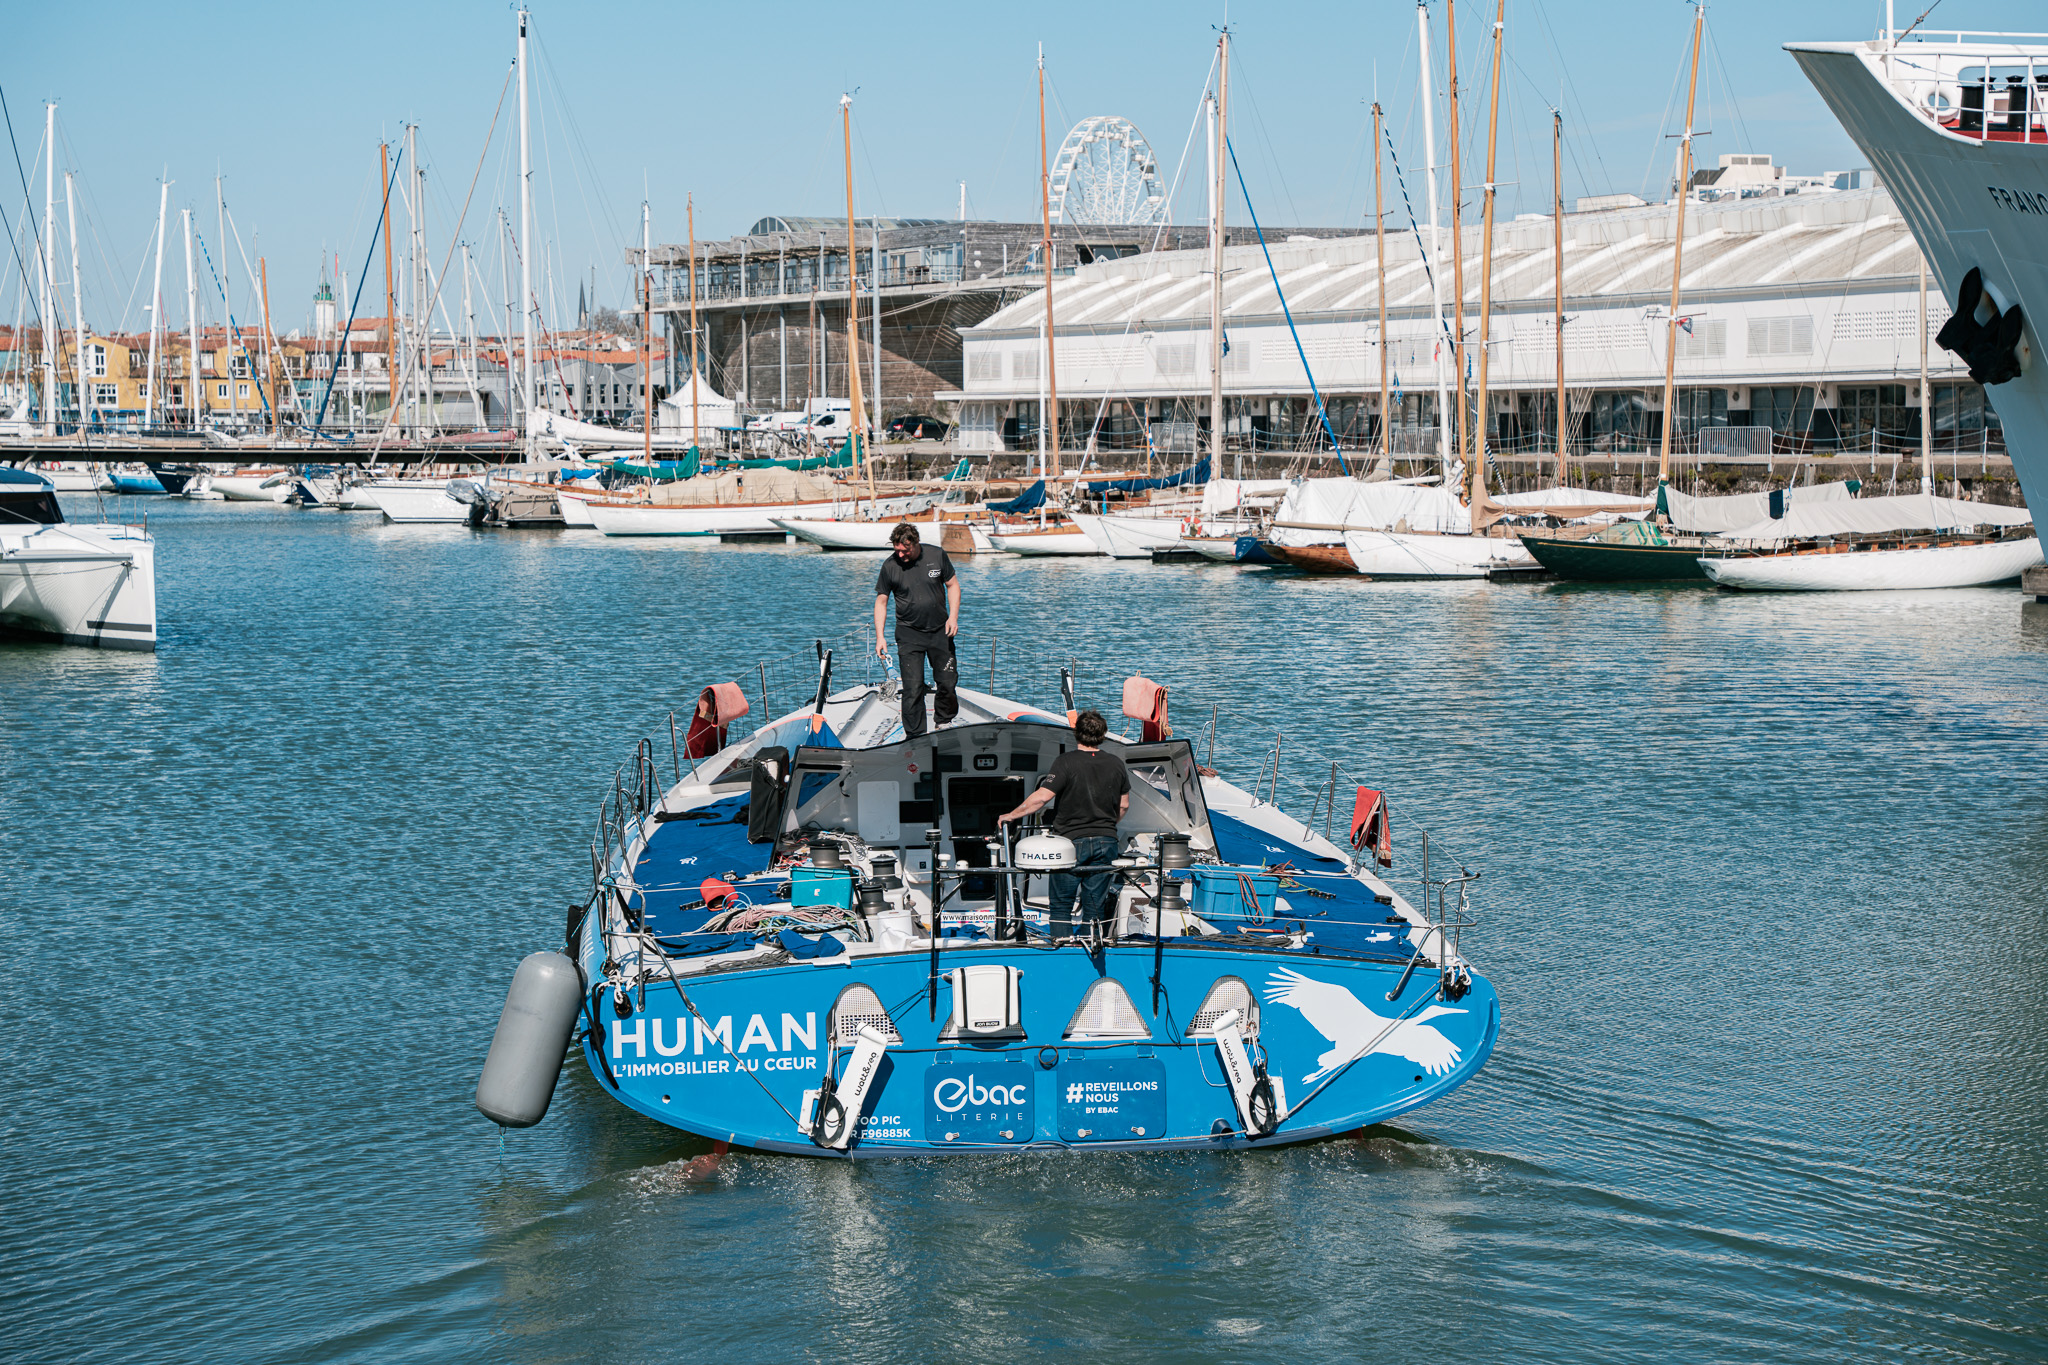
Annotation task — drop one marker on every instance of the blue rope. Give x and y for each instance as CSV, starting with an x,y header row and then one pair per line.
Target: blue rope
x,y
1284,312
334,371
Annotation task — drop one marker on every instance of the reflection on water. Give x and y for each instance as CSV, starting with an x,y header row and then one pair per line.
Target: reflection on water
x,y
1761,878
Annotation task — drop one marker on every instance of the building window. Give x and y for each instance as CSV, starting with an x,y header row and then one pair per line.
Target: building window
x,y
208,361
1699,408
1784,408
96,361
106,396
1170,360
241,390
238,366
1960,409
1619,419
984,365
1024,364
221,391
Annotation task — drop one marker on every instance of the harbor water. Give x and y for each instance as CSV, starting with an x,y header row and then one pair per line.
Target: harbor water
x,y
1763,898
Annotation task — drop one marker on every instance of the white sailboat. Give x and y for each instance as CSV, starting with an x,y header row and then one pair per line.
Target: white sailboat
x,y
1867,544
92,584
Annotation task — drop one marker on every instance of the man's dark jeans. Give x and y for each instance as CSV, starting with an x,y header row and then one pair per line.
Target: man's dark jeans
x,y
911,653
1093,886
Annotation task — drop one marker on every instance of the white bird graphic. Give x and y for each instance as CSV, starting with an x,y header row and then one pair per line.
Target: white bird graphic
x,y
1349,1024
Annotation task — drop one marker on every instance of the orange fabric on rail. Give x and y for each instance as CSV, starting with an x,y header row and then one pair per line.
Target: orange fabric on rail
x,y
1145,701
718,706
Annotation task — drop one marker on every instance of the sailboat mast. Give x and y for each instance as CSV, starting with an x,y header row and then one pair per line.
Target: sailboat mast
x,y
77,307
690,208
525,227
224,363
1379,228
647,332
422,291
1485,417
1457,233
1926,403
1220,144
48,257
476,398
505,290
1436,240
1699,19
1557,281
1049,420
152,401
390,294
192,321
263,296
857,417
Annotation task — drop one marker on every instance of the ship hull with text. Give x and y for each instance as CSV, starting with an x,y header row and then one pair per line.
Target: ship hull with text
x,y
822,942
1972,185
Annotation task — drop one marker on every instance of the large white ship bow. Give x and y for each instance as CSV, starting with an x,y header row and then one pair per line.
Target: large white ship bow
x,y
1971,183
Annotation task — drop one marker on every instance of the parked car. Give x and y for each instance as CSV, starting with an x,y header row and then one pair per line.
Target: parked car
x,y
916,429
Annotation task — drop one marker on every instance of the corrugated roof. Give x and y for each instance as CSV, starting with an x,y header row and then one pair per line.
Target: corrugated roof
x,y
1781,243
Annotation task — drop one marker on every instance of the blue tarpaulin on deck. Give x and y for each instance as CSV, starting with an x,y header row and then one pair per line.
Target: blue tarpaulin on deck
x,y
1198,474
1030,500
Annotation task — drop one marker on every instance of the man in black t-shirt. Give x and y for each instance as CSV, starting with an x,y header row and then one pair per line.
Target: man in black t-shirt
x,y
927,593
1093,790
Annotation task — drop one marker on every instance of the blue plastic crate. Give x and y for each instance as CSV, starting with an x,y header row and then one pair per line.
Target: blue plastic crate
x,y
1220,894
821,886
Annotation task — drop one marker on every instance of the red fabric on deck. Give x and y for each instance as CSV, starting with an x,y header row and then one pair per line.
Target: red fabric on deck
x,y
1369,825
1145,701
718,706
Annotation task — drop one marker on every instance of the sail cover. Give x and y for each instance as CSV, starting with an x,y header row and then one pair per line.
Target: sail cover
x,y
1198,474
1879,516
1719,516
1030,500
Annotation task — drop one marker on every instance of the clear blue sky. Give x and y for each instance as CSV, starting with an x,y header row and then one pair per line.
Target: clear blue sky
x,y
738,105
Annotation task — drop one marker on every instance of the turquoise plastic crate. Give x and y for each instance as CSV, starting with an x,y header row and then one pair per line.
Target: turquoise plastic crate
x,y
821,886
1219,894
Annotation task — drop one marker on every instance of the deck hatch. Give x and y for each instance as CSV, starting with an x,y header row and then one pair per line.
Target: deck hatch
x,y
1106,1011
858,1005
1229,993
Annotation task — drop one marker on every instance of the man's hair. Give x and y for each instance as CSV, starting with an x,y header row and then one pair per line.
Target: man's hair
x,y
1090,728
904,534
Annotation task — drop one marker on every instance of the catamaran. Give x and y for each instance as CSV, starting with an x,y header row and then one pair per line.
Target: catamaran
x,y
819,940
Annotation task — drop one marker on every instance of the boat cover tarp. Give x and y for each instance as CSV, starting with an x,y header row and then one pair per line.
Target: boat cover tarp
x,y
1319,511
1030,500
1718,516
664,470
1198,473
1569,497
748,486
1879,516
1227,495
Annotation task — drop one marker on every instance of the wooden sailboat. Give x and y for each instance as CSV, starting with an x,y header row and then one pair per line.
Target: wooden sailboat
x,y
1631,551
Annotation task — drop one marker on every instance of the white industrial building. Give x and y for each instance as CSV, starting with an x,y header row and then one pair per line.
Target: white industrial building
x,y
1803,333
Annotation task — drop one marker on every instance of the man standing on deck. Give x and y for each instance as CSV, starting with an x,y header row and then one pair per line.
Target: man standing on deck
x,y
1094,792
927,594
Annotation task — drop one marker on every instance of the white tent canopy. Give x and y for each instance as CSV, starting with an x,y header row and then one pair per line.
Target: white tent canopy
x,y
1318,511
1879,516
713,410
1227,495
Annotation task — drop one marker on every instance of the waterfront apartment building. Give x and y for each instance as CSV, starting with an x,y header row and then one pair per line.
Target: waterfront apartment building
x,y
104,379
1800,331
772,302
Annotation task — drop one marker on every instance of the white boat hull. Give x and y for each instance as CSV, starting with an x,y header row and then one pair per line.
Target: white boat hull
x,y
1934,566
648,519
261,487
1131,537
833,534
83,584
1407,555
1058,541
1222,548
415,501
575,505
77,480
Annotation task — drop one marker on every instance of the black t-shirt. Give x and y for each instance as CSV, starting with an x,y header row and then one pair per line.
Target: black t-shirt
x,y
1086,790
919,588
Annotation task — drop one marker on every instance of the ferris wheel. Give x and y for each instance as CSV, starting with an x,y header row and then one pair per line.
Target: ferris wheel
x,y
1105,174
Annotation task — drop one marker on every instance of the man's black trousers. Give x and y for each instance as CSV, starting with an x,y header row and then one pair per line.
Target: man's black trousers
x,y
911,653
